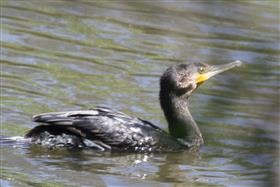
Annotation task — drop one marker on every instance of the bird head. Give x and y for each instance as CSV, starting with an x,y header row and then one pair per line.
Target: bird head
x,y
183,79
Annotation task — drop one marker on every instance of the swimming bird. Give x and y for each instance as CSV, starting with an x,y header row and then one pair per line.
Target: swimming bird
x,y
104,129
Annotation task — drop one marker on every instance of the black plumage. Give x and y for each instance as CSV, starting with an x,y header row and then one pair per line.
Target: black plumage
x,y
102,129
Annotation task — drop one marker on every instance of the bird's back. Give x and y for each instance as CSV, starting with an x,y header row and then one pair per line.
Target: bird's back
x,y
102,129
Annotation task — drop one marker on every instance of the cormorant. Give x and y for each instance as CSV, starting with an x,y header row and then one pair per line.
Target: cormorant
x,y
103,129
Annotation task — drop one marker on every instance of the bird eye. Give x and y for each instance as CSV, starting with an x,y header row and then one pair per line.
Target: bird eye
x,y
201,69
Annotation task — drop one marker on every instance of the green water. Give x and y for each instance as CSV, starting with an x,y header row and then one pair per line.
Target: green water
x,y
68,55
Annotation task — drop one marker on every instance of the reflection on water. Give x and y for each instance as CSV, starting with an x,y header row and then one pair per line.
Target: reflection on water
x,y
66,55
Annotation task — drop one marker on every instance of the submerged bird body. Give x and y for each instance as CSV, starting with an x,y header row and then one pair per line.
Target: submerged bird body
x,y
104,129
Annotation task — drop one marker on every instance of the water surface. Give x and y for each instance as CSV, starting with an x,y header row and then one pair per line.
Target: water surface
x,y
68,55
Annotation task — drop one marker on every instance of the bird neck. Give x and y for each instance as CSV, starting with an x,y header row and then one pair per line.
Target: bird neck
x,y
180,121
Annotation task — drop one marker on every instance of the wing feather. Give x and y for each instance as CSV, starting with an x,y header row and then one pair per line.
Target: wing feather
x,y
104,125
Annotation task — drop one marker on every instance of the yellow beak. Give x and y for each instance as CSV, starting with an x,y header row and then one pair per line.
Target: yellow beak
x,y
214,70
